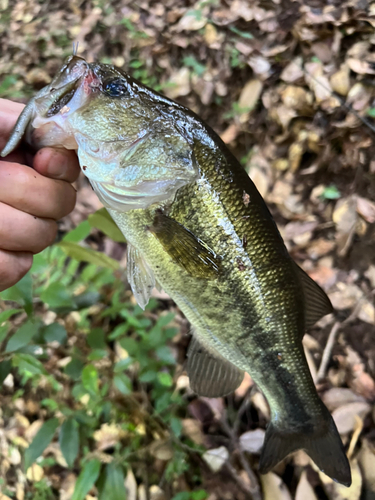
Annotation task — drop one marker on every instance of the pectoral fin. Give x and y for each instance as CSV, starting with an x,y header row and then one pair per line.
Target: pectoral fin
x,y
140,276
211,375
317,303
185,249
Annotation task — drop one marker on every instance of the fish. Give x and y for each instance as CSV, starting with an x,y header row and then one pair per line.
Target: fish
x,y
196,225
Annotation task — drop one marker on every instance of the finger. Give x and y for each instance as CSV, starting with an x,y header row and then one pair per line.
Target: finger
x,y
22,232
23,188
57,164
13,267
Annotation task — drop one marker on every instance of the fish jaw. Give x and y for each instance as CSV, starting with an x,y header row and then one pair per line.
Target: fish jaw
x,y
45,120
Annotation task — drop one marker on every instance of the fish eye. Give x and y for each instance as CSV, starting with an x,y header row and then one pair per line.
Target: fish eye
x,y
115,88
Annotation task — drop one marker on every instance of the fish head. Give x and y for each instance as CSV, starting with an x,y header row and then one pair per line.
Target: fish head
x,y
129,145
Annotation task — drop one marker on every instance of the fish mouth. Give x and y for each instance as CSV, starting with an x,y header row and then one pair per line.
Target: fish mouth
x,y
63,87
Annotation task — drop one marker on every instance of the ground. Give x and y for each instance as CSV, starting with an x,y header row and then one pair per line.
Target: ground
x,y
289,86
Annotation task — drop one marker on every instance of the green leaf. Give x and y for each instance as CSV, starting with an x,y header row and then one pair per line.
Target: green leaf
x,y
331,193
148,376
123,383
166,319
165,379
69,440
54,333
22,336
74,369
5,315
164,353
103,221
4,332
371,112
182,495
21,293
27,363
86,479
96,339
90,379
40,441
56,296
80,253
176,426
96,354
79,233
5,367
86,299
113,483
243,34
198,495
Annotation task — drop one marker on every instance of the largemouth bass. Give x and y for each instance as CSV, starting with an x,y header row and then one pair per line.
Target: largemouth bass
x,y
196,224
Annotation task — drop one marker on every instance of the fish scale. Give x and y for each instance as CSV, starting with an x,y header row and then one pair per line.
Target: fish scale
x,y
195,222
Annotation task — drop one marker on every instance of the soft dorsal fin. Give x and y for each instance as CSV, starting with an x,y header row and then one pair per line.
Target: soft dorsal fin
x,y
210,374
185,249
317,303
141,278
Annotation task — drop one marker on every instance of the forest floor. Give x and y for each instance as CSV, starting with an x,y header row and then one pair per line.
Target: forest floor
x,y
290,88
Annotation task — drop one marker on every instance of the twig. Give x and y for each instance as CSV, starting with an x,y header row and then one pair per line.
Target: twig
x,y
327,351
253,488
332,337
245,487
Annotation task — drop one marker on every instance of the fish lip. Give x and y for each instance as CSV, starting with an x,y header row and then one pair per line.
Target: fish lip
x,y
73,72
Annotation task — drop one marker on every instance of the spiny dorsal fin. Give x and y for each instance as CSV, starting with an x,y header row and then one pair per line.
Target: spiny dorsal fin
x,y
185,249
317,303
211,375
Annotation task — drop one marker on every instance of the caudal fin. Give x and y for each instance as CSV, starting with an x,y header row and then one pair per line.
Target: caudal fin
x,y
324,446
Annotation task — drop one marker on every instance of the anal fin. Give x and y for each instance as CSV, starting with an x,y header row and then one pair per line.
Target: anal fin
x,y
317,303
210,374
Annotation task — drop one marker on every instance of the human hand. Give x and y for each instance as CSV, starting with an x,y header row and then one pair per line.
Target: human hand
x,y
31,200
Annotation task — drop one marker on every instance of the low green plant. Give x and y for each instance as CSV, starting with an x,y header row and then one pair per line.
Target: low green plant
x,y
75,305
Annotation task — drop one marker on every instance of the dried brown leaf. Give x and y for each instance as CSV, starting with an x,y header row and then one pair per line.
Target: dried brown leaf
x,y
249,97
216,458
366,458
340,396
274,487
131,485
192,21
193,430
304,489
345,415
340,81
108,436
252,441
341,492
35,473
162,449
293,71
296,98
181,83
366,209
345,214
360,66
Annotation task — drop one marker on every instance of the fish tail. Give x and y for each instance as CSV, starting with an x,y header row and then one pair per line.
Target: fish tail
x,y
323,445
